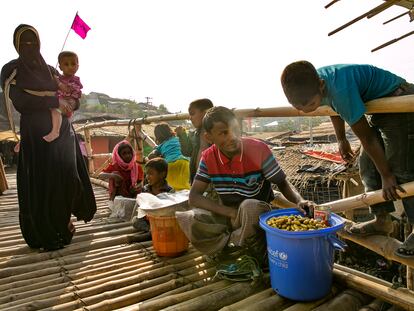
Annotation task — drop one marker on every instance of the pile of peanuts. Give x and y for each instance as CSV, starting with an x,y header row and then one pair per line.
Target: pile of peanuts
x,y
296,223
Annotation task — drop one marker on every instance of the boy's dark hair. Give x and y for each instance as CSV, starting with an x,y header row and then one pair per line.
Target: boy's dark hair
x,y
217,114
158,164
201,104
67,54
300,82
162,132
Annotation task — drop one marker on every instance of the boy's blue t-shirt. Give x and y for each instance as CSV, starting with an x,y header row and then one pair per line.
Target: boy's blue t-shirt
x,y
171,150
349,86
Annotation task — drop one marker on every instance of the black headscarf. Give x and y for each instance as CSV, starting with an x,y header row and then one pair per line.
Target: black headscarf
x,y
32,71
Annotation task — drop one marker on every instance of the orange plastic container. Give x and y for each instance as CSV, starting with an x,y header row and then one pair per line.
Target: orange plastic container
x,y
167,237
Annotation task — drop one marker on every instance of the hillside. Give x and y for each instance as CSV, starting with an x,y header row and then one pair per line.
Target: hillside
x,y
95,105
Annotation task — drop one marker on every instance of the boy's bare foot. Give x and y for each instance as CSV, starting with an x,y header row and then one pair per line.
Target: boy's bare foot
x,y
51,137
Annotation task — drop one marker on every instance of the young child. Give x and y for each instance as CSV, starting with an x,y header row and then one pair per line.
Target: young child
x,y
169,148
387,156
241,170
193,144
124,173
69,87
156,171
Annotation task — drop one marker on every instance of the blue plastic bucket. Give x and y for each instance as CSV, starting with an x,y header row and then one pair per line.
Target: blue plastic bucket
x,y
301,263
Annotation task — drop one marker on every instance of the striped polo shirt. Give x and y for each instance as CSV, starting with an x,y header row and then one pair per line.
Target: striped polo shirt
x,y
245,176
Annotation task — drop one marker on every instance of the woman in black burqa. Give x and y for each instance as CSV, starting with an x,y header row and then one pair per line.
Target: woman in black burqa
x,y
52,180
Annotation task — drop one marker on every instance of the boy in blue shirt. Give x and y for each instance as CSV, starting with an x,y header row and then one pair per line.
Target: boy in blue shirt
x,y
387,139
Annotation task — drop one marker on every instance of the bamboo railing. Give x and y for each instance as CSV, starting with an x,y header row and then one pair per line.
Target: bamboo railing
x,y
400,104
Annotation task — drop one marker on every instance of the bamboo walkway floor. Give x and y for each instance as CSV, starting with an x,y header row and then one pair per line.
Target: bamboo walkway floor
x,y
108,266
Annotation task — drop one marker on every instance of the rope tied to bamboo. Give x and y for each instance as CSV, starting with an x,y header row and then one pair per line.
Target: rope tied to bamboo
x,y
187,280
79,298
65,273
363,199
149,255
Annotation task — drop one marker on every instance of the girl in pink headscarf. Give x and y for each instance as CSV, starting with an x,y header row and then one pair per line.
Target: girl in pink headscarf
x,y
124,174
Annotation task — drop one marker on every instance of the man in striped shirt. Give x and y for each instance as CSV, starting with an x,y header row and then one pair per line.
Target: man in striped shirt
x,y
241,171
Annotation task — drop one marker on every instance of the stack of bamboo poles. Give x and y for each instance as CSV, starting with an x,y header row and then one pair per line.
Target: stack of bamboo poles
x,y
108,266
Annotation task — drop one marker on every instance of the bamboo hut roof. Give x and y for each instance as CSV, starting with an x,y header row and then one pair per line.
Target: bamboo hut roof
x,y
292,159
116,131
322,132
107,267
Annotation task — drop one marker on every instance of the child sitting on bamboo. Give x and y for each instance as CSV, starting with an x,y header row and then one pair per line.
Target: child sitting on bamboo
x,y
125,175
156,171
169,148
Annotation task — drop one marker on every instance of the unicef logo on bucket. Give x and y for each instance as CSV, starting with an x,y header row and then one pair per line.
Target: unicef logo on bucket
x,y
278,258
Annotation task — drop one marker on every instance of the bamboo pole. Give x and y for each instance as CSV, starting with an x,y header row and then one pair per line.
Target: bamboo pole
x,y
392,41
250,300
89,150
349,299
407,231
311,305
378,9
101,168
395,104
139,148
396,17
331,3
99,182
366,199
147,139
101,155
70,249
69,264
382,245
118,279
95,298
272,303
159,303
402,298
361,274
83,280
387,5
218,298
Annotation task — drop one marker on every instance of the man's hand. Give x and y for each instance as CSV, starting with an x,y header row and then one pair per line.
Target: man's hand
x,y
345,150
306,207
390,187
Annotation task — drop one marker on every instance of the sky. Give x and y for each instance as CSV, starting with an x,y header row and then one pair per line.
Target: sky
x,y
231,51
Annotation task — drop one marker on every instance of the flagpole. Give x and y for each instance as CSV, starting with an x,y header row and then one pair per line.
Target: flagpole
x,y
64,42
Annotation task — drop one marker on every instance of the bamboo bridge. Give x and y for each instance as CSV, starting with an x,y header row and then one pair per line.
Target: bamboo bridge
x,y
111,266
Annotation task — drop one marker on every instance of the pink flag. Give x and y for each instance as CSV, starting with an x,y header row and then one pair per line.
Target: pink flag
x,y
80,27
